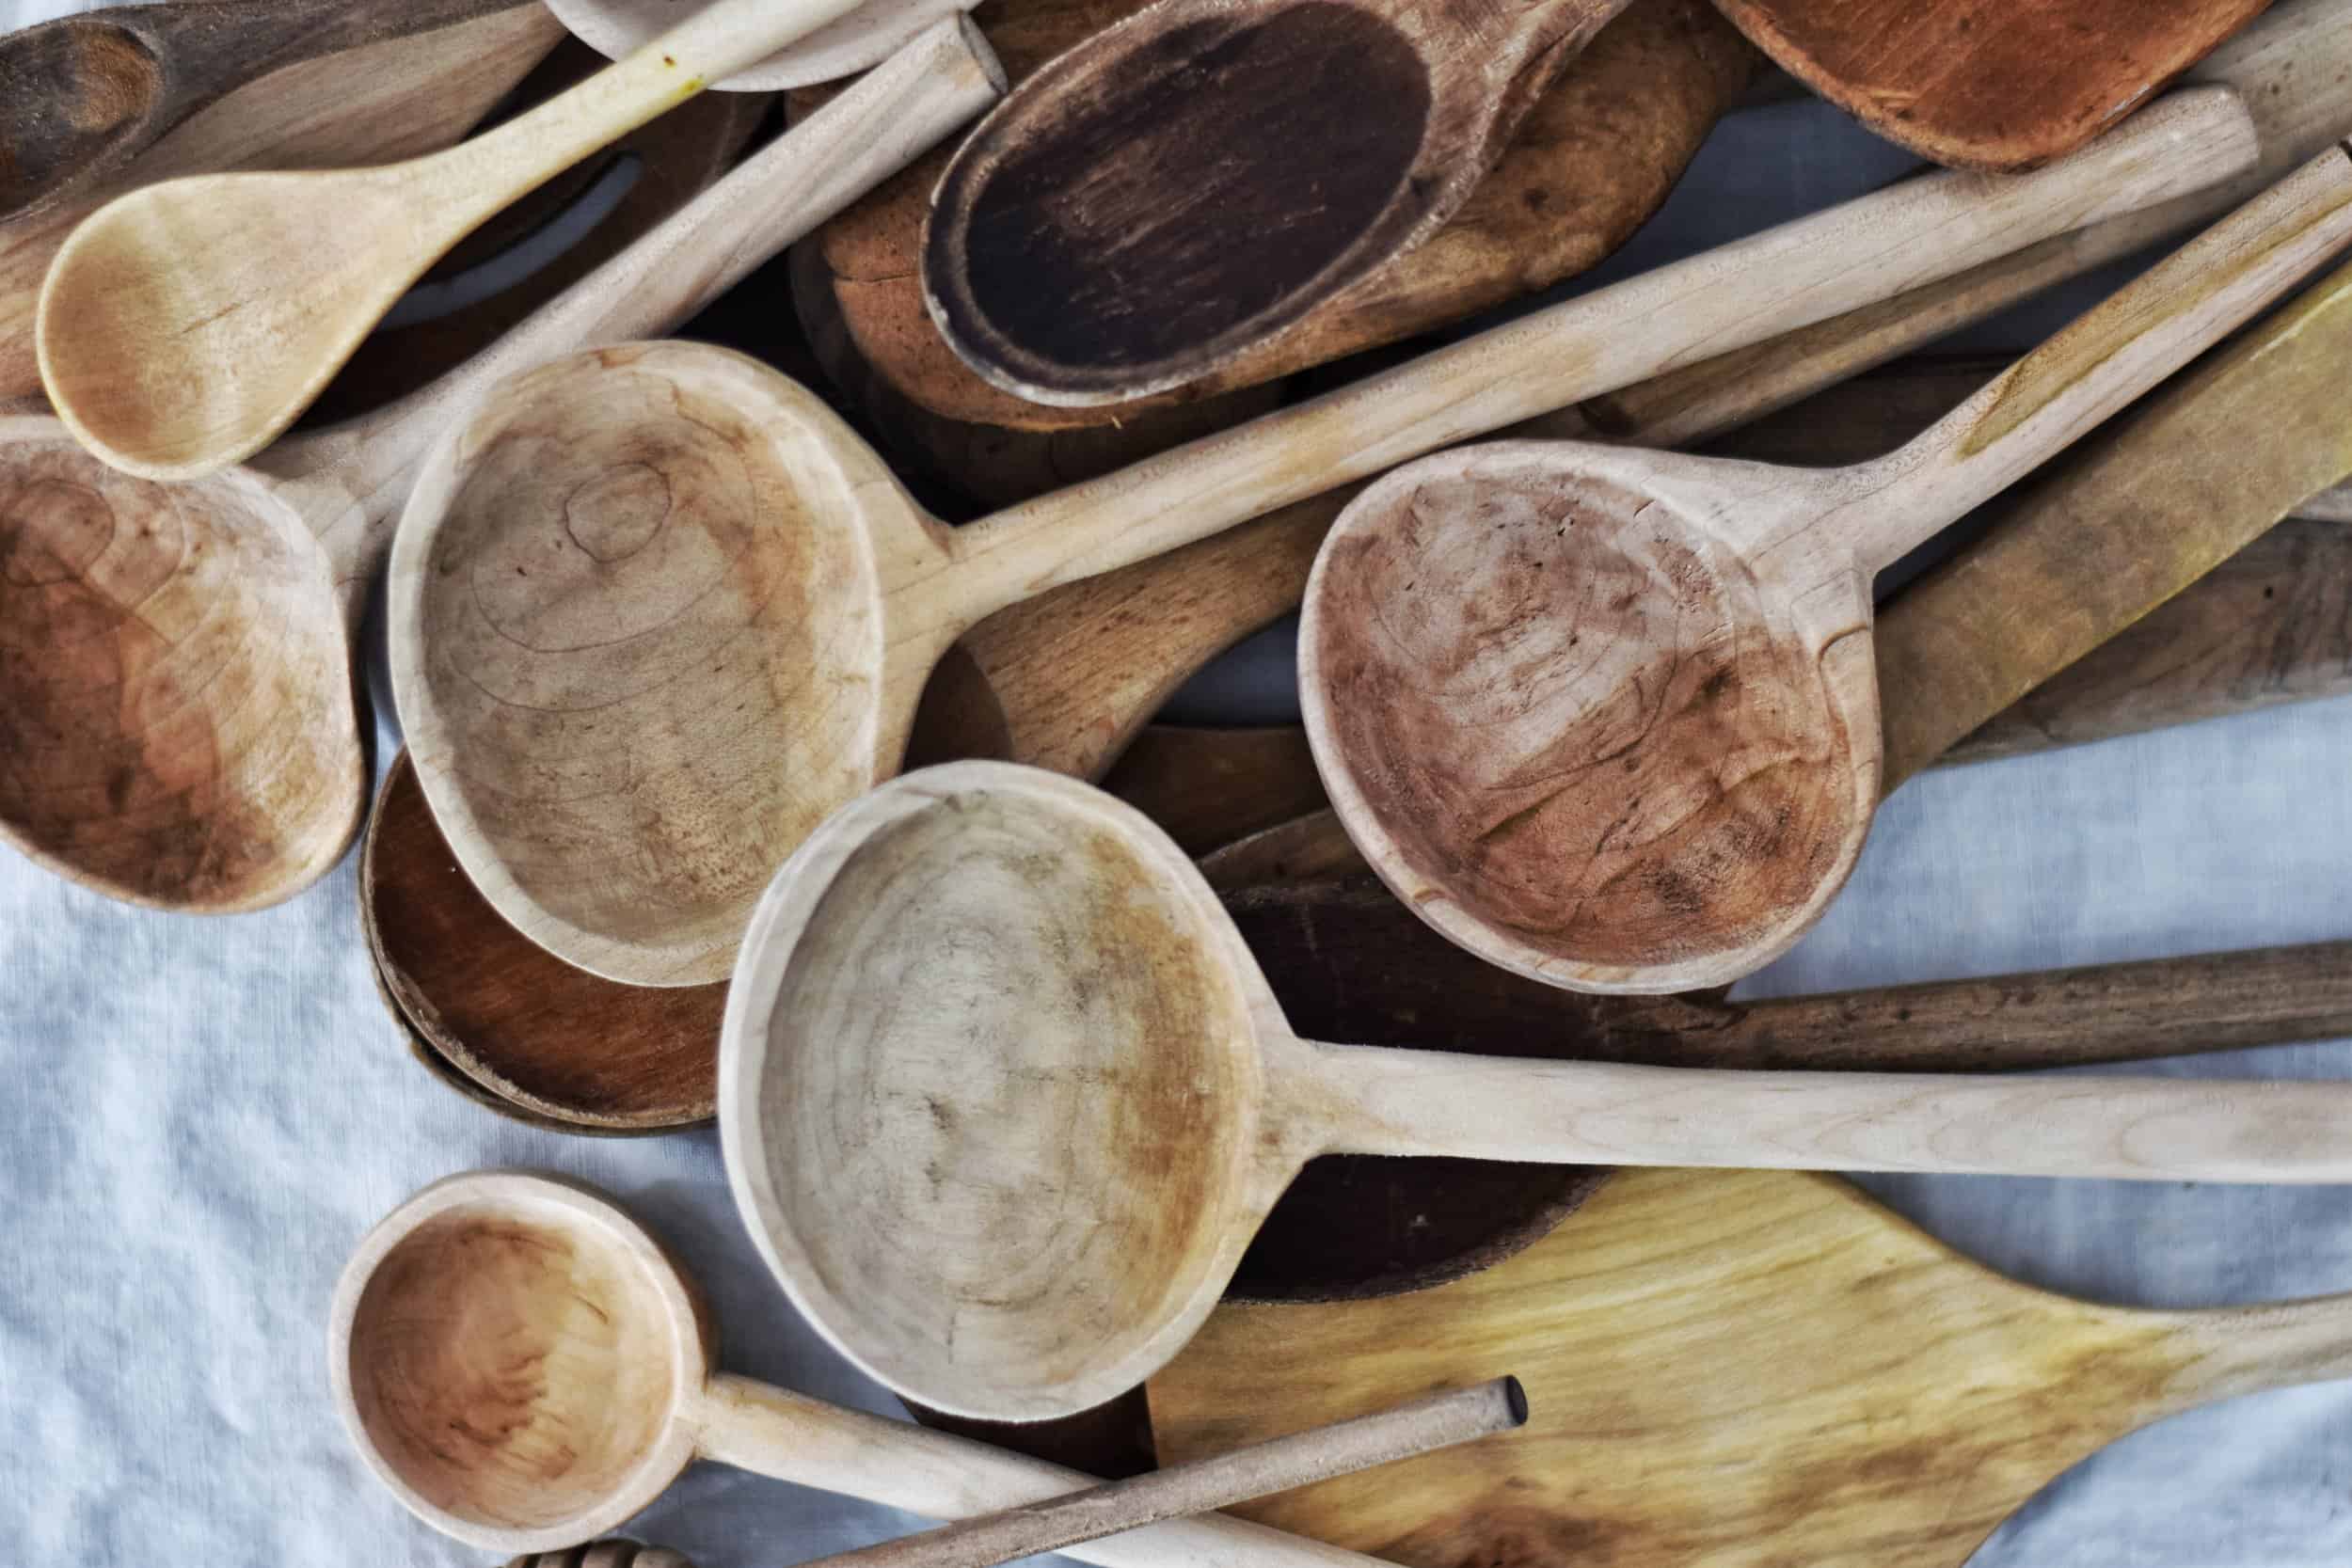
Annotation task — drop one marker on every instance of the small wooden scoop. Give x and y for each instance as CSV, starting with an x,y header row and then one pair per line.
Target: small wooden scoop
x,y
655,612
484,1274
1609,719
175,694
1190,182
81,96
863,38
184,326
1004,1097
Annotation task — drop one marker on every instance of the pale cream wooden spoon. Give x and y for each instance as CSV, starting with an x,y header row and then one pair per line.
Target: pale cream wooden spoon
x,y
1609,718
485,1273
655,612
1004,1097
184,327
177,725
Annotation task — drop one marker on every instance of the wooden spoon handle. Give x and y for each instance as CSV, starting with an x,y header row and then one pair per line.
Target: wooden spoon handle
x,y
2105,359
1205,1486
1786,278
773,1433
207,49
883,122
1384,1101
2246,1350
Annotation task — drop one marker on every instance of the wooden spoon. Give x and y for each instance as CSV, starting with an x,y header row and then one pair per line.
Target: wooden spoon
x,y
175,697
174,338
1609,719
1988,84
1767,1370
481,1272
1189,183
859,41
624,725
1004,1097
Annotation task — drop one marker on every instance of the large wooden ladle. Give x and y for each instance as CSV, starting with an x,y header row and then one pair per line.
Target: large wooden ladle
x,y
1609,718
177,725
1004,1097
655,612
524,1366
184,327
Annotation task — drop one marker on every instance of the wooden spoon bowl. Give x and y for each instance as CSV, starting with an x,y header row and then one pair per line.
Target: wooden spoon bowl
x,y
102,69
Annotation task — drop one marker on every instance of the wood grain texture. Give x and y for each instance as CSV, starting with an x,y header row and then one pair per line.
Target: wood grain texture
x,y
1591,160
1988,84
1609,718
388,100
1743,1368
1207,788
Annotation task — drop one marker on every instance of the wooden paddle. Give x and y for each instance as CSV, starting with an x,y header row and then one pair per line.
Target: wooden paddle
x,y
1988,84
1735,1369
1609,719
394,99
739,727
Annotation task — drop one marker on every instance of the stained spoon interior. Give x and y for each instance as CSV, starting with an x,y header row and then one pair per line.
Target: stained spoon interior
x,y
1189,182
184,326
525,1367
656,610
1003,1098
1609,718
176,718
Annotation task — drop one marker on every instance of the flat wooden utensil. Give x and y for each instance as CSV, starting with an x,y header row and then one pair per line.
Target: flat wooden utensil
x,y
605,606
1988,84
1767,1369
1189,183
1609,719
1004,1097
175,691
480,1273
184,327
409,95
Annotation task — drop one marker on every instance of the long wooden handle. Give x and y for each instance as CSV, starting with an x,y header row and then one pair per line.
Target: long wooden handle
x,y
2101,363
1368,1101
351,481
2247,1350
1205,1486
1789,277
802,1440
205,50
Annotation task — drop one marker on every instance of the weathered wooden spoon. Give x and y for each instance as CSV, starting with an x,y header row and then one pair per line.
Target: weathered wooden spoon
x,y
858,41
1609,719
480,1273
1192,181
1988,84
176,717
655,612
184,327
1003,1098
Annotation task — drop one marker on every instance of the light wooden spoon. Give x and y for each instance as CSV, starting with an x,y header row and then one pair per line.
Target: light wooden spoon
x,y
177,726
184,327
1004,1097
480,1273
655,612
1609,719
1192,181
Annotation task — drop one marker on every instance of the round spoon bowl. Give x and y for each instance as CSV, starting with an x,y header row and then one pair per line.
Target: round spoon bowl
x,y
176,715
509,1356
1572,731
633,604
1106,1189
108,77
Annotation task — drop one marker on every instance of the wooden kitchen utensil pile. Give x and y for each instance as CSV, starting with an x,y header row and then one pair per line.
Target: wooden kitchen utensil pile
x,y
1008,1100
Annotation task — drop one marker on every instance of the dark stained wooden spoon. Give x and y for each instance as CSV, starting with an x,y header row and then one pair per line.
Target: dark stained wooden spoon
x,y
1189,183
1988,84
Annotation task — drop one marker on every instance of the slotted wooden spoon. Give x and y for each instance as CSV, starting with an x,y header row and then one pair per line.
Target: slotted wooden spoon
x,y
1609,719
1004,1096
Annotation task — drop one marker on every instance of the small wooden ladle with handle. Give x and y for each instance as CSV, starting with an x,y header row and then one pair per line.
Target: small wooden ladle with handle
x,y
655,612
1189,182
483,1272
1004,1097
184,326
176,710
1609,719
